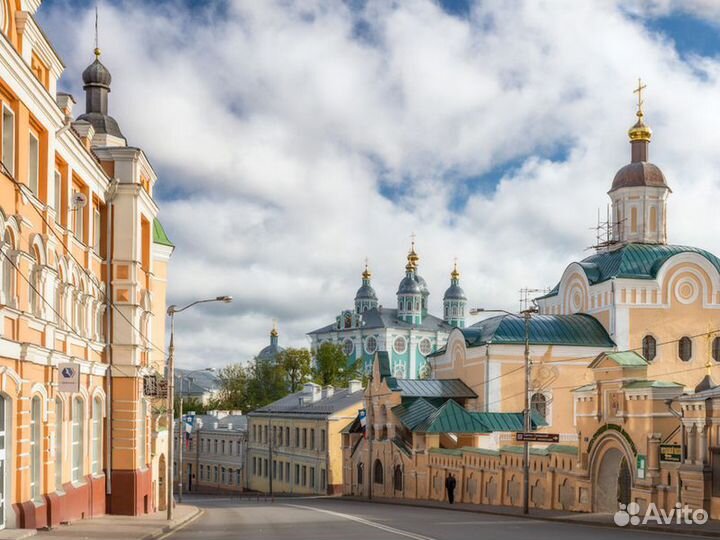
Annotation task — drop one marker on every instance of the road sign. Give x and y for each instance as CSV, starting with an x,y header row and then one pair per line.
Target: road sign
x,y
69,377
537,437
670,452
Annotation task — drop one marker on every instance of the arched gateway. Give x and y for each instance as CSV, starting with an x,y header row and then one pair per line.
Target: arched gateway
x,y
612,476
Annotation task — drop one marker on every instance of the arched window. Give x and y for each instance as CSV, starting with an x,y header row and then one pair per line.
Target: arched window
x,y
60,299
34,291
398,478
8,270
35,448
685,348
378,472
649,347
96,437
360,473
716,349
59,458
78,450
143,435
538,405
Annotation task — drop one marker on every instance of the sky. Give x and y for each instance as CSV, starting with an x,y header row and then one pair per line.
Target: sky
x,y
293,139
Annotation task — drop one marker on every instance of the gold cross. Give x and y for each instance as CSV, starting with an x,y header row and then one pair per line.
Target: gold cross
x,y
638,91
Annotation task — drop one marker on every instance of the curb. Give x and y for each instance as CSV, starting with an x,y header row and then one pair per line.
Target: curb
x,y
648,528
170,528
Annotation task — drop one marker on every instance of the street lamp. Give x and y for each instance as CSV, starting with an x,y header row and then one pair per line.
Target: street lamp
x,y
181,431
171,311
526,315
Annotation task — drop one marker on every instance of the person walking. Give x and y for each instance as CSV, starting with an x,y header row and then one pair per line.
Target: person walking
x,y
450,484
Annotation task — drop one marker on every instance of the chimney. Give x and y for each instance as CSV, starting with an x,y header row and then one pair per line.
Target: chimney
x,y
86,132
354,386
328,391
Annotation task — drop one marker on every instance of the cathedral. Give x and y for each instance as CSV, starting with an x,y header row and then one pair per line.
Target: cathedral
x,y
624,354
408,333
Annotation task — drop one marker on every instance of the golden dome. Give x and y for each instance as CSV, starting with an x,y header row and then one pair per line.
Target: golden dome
x,y
412,257
366,273
640,132
410,267
455,274
274,331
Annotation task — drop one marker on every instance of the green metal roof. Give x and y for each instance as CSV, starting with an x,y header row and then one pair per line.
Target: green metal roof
x,y
434,388
413,412
574,330
451,418
159,234
446,451
585,387
635,261
623,359
652,384
505,421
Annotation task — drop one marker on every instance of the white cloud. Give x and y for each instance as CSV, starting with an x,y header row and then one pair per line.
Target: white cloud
x,y
279,123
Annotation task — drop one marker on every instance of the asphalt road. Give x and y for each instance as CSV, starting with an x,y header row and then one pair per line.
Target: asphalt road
x,y
331,519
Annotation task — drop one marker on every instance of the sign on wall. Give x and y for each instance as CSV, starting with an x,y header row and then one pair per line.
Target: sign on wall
x,y
538,437
671,453
641,466
69,377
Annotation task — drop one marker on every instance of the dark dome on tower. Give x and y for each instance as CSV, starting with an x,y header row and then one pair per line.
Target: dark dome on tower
x,y
640,173
97,74
97,81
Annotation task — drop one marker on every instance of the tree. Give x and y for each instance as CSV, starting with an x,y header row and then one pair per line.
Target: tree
x,y
234,380
333,367
296,365
266,383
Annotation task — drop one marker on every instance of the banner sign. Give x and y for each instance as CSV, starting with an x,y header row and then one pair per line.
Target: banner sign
x,y
671,452
538,437
69,377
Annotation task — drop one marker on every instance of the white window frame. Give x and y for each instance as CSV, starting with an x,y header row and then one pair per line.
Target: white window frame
x,y
96,461
36,448
57,196
78,434
34,168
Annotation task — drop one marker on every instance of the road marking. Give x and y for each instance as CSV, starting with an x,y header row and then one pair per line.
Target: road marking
x,y
182,526
369,523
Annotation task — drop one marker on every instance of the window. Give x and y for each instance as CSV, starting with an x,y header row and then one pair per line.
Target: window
x,y
8,140
425,345
202,472
716,349
348,347
35,448
287,436
96,436
59,458
143,433
215,477
538,405
312,477
230,476
274,470
649,347
322,480
322,440
280,471
312,439
223,446
215,446
304,439
57,203
371,345
297,437
34,290
280,437
34,164
222,475
238,478
8,282
78,214
304,475
297,474
398,478
400,345
78,451
378,472
265,467
685,349
265,434
360,473
97,229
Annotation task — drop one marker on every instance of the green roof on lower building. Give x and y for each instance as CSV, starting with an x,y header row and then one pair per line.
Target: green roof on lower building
x,y
624,359
652,384
159,234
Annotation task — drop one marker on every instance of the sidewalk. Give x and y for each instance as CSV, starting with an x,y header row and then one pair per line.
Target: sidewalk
x,y
114,527
711,528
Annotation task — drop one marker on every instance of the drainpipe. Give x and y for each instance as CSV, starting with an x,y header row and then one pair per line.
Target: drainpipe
x,y
679,415
109,213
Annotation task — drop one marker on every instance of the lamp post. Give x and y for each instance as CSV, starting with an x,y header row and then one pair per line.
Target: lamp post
x,y
526,315
181,430
171,311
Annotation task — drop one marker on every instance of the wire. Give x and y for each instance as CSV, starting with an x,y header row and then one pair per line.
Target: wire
x,y
92,278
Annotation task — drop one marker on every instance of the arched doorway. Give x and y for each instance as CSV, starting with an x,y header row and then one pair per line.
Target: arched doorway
x,y
612,482
162,488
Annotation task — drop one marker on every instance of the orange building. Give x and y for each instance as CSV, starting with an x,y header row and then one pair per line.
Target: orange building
x,y
83,269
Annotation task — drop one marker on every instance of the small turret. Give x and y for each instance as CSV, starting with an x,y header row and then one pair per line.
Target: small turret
x,y
365,298
454,301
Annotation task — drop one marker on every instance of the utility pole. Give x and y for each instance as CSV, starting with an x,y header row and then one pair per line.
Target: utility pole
x,y
526,450
170,421
369,431
181,434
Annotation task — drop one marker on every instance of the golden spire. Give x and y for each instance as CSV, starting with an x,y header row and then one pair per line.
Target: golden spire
x,y
366,273
412,257
274,331
455,274
640,132
97,48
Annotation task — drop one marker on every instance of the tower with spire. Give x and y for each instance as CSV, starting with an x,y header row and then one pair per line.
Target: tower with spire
x,y
454,301
365,298
639,190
